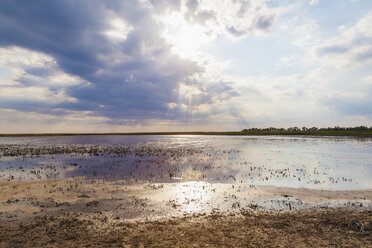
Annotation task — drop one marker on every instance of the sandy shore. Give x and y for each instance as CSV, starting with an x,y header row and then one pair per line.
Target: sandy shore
x,y
82,212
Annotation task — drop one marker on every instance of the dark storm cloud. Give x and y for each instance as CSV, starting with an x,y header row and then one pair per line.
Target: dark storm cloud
x,y
59,28
136,78
38,71
28,105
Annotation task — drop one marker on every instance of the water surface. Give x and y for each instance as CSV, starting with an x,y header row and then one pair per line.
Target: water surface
x,y
339,163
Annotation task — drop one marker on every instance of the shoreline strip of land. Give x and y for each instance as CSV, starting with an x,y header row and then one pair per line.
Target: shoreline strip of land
x,y
347,133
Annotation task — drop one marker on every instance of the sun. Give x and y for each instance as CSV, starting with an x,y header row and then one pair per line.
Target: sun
x,y
187,40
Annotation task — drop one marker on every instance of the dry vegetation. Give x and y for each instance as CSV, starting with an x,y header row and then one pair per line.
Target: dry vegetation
x,y
320,228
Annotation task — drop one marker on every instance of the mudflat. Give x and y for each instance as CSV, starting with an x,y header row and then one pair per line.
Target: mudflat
x,y
315,228
80,212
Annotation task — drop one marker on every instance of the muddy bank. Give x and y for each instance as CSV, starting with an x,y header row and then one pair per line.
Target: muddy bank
x,y
81,212
347,227
153,201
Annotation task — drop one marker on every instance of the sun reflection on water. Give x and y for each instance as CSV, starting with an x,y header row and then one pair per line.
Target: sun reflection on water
x,y
192,196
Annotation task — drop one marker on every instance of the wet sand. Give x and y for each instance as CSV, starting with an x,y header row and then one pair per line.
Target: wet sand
x,y
82,212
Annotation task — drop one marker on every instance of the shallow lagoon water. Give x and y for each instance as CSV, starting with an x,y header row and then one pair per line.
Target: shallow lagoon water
x,y
336,163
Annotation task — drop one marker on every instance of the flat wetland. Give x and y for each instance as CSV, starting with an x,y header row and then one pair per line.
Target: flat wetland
x,y
185,190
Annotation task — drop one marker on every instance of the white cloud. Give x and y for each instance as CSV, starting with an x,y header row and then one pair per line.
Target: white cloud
x,y
33,94
287,60
34,68
351,47
119,29
307,34
35,78
211,18
366,81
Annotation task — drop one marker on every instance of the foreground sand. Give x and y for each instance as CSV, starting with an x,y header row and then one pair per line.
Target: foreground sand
x,y
97,213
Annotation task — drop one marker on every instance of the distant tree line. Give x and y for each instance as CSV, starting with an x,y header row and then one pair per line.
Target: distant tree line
x,y
290,129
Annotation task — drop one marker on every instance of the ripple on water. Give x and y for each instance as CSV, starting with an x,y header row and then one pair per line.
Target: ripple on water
x,y
339,163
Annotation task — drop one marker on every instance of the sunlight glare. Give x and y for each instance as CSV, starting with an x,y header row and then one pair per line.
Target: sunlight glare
x,y
193,196
187,40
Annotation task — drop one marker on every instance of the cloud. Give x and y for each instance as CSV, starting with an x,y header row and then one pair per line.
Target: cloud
x,y
134,78
233,31
352,46
137,63
236,18
351,103
264,23
166,5
35,82
110,58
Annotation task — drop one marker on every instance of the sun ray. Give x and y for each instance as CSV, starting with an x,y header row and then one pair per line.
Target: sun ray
x,y
187,40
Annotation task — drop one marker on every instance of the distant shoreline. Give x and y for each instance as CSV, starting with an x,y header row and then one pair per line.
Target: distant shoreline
x,y
352,133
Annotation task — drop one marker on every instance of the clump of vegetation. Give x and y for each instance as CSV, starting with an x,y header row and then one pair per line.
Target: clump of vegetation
x,y
296,129
329,131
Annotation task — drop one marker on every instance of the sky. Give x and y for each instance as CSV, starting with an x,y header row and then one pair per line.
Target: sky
x,y
184,65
